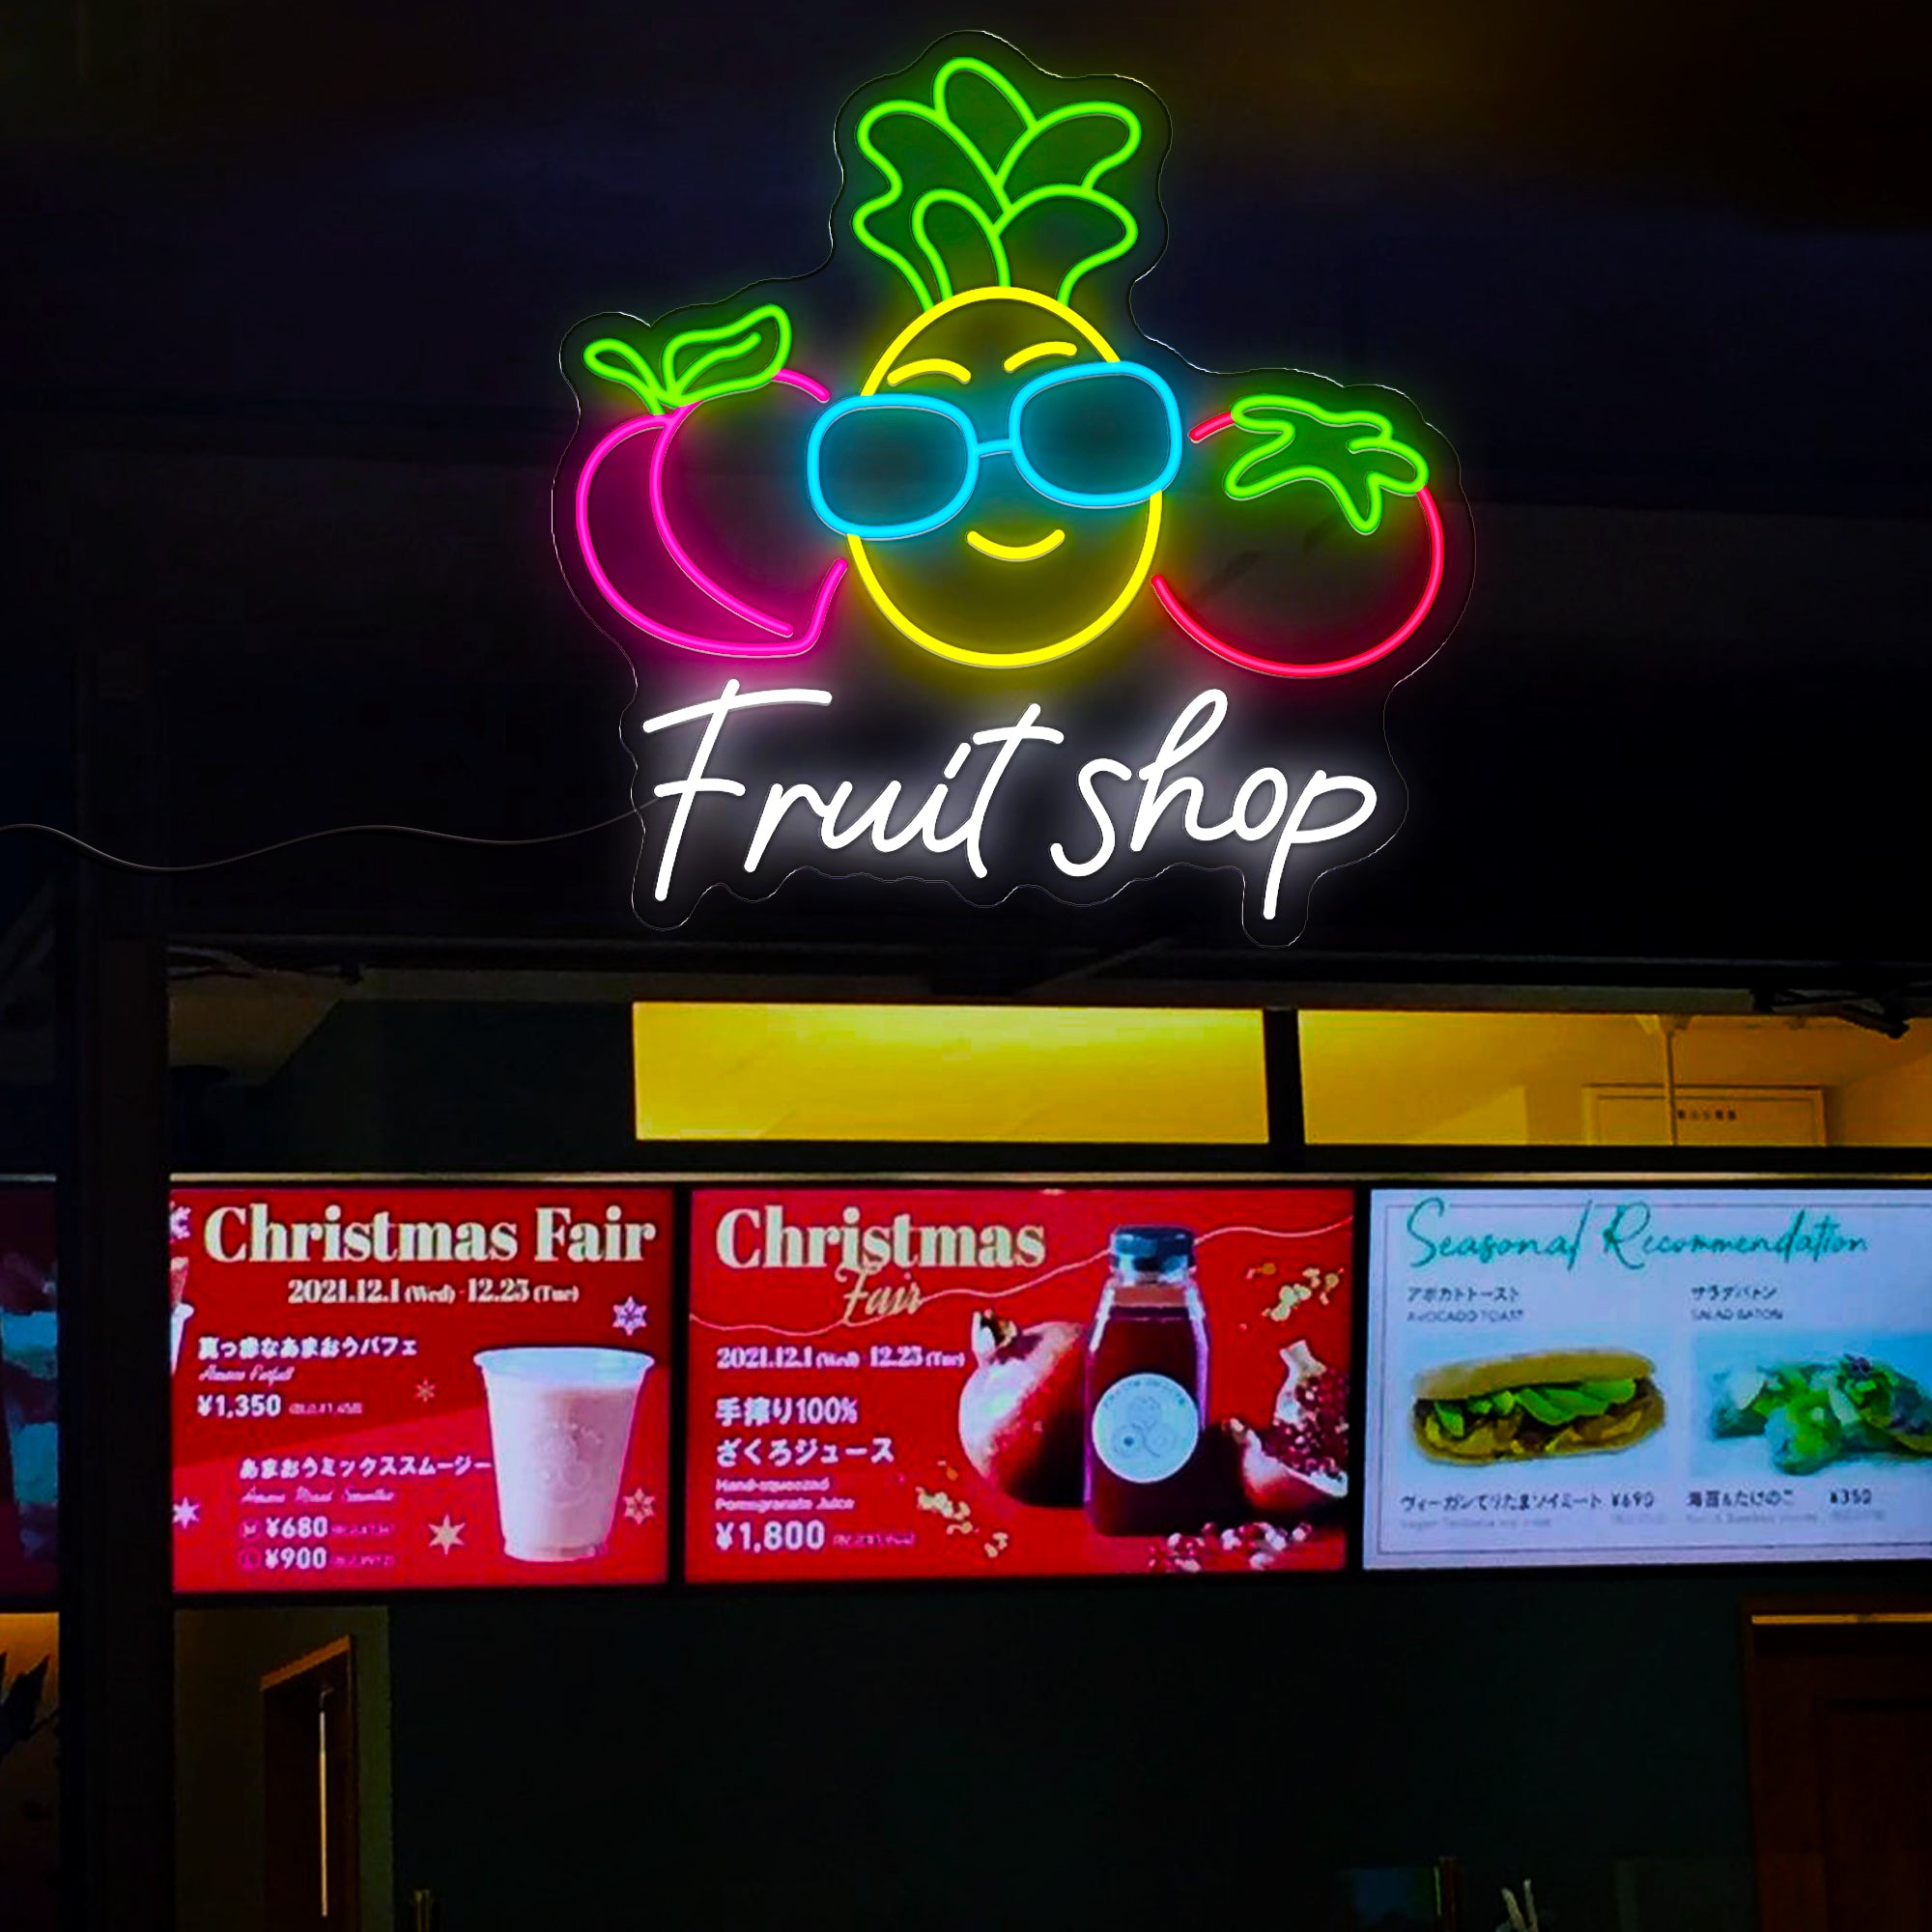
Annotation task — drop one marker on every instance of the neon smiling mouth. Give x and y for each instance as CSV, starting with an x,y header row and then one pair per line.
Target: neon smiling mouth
x,y
1029,552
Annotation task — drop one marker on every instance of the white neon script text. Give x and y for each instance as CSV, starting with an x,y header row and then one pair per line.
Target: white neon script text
x,y
1184,738
1260,810
685,790
924,826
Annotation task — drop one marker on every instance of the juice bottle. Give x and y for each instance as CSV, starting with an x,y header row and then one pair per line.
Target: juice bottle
x,y
1146,1387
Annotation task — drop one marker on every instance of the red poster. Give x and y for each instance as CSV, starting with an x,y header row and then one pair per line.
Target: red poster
x,y
1017,1381
381,1388
29,1396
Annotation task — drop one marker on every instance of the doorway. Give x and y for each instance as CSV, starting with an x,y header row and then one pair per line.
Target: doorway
x,y
312,1829
1840,1707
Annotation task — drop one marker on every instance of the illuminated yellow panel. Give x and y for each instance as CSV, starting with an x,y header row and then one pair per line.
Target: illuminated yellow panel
x,y
713,1072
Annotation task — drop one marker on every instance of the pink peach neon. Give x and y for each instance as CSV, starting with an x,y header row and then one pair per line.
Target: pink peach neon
x,y
784,644
1333,667
674,543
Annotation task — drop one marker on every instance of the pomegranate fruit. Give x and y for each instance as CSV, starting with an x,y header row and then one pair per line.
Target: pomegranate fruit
x,y
1297,1466
1242,1545
1020,1411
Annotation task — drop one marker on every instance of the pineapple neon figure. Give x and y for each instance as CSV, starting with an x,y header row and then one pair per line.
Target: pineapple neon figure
x,y
998,482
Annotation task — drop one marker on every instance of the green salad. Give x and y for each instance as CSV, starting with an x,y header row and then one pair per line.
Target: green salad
x,y
1812,1414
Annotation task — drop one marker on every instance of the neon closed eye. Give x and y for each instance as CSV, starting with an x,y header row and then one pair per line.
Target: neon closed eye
x,y
1020,357
932,365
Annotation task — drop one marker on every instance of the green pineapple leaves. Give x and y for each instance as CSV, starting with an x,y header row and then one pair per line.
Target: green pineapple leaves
x,y
980,191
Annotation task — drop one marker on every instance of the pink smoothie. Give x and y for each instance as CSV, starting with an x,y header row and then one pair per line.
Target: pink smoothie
x,y
559,1426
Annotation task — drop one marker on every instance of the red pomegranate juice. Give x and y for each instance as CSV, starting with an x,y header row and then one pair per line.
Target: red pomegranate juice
x,y
1147,1388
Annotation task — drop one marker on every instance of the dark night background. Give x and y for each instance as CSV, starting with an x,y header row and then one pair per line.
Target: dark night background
x,y
277,361
286,291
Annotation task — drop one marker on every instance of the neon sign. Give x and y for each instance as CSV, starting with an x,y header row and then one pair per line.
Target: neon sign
x,y
1057,609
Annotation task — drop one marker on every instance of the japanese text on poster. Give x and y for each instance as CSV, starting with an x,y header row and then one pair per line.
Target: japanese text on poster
x,y
386,1389
1648,1374
987,1381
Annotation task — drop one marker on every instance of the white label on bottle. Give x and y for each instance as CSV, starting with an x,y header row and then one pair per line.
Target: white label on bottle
x,y
1144,1427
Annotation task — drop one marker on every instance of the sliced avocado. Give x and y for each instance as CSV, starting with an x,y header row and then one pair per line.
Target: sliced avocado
x,y
1542,1403
1610,1393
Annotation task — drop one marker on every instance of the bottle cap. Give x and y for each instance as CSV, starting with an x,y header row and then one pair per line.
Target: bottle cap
x,y
1152,1250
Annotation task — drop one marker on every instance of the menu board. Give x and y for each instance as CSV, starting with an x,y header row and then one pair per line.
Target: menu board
x,y
385,1388
1648,1374
29,1396
938,1383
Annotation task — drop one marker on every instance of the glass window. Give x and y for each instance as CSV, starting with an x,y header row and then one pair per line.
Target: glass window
x,y
1041,1074
1609,1079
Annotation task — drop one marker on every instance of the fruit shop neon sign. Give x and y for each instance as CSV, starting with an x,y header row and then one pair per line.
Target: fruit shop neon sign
x,y
1055,607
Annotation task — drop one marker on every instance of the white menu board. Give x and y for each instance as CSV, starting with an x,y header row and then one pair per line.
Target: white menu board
x,y
1630,1374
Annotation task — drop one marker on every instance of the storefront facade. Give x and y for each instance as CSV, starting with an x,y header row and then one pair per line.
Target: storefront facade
x,y
1545,999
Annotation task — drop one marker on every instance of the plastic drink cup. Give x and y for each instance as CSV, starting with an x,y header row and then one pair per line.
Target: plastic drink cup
x,y
179,1308
559,1427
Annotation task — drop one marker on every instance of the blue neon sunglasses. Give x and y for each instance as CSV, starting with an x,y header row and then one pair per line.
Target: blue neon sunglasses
x,y
1013,443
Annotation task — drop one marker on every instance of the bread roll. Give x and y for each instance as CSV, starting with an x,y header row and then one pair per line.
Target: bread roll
x,y
1458,1381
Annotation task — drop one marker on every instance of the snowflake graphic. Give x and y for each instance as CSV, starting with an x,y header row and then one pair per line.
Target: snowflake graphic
x,y
425,1391
628,1315
640,1506
445,1536
181,1222
187,1513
